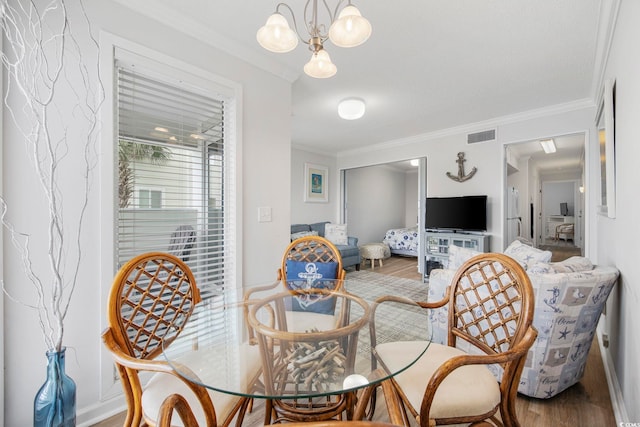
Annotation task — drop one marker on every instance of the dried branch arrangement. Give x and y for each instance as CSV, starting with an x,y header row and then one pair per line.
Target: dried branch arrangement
x,y
317,364
53,95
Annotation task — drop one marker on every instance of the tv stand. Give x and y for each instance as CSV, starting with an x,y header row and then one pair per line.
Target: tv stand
x,y
437,246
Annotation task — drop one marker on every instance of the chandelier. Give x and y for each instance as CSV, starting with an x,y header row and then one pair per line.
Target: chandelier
x,y
346,29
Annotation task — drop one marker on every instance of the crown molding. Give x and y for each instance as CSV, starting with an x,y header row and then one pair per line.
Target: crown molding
x,y
197,30
474,127
314,150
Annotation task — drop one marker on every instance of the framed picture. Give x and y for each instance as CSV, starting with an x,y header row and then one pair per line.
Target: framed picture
x,y
605,123
316,183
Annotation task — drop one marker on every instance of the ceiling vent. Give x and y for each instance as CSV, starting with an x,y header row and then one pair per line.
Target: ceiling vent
x,y
484,136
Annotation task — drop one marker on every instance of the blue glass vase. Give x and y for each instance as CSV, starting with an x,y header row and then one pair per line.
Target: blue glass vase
x,y
55,402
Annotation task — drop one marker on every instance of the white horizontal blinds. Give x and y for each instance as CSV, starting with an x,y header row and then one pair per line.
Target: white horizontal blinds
x,y
171,169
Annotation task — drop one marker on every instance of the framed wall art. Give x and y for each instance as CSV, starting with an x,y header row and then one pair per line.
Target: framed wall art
x,y
605,124
316,185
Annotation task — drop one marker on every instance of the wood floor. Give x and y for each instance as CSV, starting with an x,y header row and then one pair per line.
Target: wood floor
x,y
585,404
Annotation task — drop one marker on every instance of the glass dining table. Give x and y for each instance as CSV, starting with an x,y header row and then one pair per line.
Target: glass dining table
x,y
308,351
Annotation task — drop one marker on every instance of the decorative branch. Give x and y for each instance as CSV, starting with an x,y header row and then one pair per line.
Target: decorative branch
x,y
53,95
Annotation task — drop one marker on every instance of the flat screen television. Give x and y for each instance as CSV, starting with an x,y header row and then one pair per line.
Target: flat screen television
x,y
465,213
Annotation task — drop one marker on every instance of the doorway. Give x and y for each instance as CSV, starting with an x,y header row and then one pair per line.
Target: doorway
x,y
383,197
536,177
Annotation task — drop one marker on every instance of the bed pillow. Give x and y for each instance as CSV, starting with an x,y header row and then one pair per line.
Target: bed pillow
x,y
336,233
526,255
458,256
320,275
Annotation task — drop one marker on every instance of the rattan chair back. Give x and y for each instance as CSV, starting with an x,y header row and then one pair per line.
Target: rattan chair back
x,y
491,303
311,249
152,297
151,300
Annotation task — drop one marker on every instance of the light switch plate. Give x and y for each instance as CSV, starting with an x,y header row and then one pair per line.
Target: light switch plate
x,y
264,214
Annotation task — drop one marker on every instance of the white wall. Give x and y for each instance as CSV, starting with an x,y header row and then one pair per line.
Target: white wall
x,y
376,201
309,212
441,153
618,238
264,170
556,192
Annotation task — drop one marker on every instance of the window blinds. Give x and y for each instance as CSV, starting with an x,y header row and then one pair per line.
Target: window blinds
x,y
171,174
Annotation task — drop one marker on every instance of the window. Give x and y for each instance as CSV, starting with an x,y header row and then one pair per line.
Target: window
x,y
149,198
172,169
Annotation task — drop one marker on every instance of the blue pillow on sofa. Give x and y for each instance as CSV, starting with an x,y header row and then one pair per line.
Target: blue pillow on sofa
x,y
305,275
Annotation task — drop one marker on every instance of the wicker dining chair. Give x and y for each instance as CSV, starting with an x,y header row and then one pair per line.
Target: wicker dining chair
x,y
176,403
151,300
310,249
327,262
490,332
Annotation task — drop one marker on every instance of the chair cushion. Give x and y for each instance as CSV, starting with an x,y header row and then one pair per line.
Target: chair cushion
x,y
162,385
469,390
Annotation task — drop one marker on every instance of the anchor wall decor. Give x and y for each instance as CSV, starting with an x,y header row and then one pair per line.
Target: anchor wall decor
x,y
461,177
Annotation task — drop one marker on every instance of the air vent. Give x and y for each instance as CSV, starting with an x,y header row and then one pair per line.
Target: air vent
x,y
484,136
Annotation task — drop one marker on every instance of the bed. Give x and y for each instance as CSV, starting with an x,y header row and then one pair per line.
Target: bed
x,y
402,241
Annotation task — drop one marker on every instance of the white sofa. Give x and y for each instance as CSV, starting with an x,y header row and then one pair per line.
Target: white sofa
x,y
570,296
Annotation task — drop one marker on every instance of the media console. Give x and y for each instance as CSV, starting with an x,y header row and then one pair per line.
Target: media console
x,y
437,247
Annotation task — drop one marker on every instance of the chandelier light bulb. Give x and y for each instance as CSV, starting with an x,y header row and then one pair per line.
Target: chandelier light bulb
x,y
350,29
320,65
276,35
351,108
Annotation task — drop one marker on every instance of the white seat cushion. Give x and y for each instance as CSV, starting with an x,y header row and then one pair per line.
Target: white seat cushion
x,y
162,385
469,390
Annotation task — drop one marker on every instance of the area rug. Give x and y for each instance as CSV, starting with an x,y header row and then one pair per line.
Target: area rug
x,y
394,322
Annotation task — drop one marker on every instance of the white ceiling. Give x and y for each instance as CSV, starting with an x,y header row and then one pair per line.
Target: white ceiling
x,y
428,66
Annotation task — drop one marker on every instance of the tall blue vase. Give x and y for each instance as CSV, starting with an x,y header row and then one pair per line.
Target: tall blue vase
x,y
55,403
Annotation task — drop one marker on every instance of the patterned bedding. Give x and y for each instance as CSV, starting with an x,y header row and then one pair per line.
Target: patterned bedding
x,y
402,240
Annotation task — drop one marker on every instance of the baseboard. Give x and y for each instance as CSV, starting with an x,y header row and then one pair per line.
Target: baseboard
x,y
617,399
93,414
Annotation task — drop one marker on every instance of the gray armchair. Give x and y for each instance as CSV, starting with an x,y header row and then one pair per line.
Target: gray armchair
x,y
350,252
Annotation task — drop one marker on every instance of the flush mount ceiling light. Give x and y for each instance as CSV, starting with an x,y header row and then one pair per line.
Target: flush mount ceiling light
x,y
351,108
548,146
346,29
415,162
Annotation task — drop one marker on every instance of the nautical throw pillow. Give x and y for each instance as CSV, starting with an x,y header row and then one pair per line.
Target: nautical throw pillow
x,y
458,256
300,234
526,255
336,233
306,275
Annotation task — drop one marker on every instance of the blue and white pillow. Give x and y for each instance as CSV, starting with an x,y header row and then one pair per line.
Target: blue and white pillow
x,y
307,275
526,255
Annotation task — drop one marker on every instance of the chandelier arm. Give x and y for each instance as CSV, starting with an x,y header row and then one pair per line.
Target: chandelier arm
x,y
335,12
293,18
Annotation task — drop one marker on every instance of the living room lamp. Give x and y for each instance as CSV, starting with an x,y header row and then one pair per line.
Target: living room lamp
x,y
346,29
